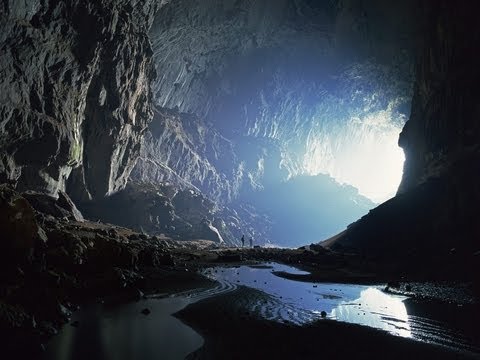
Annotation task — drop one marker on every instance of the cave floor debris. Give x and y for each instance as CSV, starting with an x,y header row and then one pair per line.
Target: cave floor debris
x,y
87,262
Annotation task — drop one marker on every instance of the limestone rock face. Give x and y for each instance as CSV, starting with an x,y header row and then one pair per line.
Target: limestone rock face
x,y
181,149
74,93
250,92
443,128
434,216
441,140
160,209
61,207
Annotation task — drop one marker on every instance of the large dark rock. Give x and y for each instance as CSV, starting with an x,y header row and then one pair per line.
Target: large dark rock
x,y
60,207
74,93
443,129
19,232
432,223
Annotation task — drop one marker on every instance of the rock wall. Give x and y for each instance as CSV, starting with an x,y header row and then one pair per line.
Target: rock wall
x,y
182,214
443,128
182,150
433,218
197,45
74,93
269,82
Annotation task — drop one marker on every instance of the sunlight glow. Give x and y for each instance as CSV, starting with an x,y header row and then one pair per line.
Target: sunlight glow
x,y
376,309
363,153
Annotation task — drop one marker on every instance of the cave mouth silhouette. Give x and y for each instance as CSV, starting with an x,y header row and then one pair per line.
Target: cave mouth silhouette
x,y
294,89
364,153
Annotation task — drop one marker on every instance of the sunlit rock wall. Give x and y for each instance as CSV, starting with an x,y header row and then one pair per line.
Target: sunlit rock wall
x,y
289,86
183,150
74,93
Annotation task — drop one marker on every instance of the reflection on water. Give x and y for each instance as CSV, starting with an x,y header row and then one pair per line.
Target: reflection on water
x,y
376,309
122,332
303,302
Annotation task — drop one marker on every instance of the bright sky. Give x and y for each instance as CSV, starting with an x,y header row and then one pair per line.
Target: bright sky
x,y
364,154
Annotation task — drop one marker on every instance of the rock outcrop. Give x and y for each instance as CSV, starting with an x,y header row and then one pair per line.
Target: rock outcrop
x,y
433,218
60,207
159,209
181,149
164,209
239,93
74,93
20,233
443,129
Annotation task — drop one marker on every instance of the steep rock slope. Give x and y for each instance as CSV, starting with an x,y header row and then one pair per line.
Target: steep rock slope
x,y
183,150
434,217
74,93
443,128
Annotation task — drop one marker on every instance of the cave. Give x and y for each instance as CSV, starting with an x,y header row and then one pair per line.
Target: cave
x,y
179,178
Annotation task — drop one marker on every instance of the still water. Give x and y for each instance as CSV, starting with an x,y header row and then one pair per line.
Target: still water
x,y
122,332
303,302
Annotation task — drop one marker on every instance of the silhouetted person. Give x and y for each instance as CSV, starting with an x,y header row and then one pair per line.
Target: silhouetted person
x,y
251,242
243,241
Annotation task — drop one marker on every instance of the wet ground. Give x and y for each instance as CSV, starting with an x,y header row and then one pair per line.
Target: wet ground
x,y
142,330
122,331
304,302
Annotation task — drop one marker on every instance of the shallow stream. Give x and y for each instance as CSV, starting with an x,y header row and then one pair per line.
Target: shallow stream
x,y
123,332
303,302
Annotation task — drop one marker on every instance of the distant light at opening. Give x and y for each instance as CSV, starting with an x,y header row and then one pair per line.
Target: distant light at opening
x,y
363,153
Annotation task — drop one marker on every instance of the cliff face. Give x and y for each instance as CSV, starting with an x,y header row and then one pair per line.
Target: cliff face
x,y
74,93
433,218
443,128
183,150
280,87
250,94
247,96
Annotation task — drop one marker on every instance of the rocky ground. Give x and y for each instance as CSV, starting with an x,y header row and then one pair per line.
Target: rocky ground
x,y
53,261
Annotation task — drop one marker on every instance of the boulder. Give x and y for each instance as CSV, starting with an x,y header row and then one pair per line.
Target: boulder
x,y
60,207
20,233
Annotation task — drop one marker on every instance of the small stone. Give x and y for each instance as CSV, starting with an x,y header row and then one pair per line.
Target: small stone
x,y
146,311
